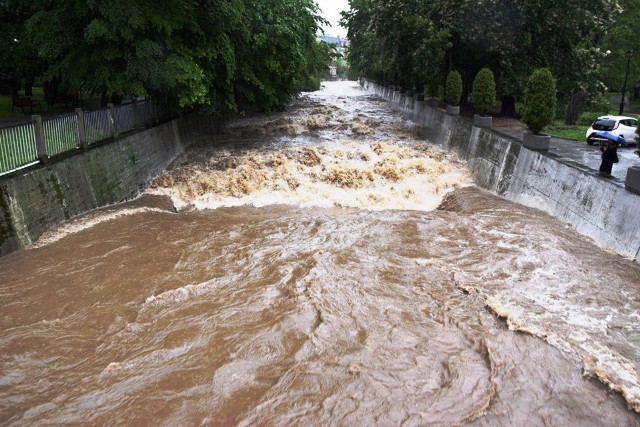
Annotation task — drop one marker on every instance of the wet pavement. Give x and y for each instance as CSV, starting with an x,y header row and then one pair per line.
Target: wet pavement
x,y
577,154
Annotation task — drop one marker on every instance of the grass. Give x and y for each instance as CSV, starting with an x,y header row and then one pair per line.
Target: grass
x,y
88,103
6,103
572,132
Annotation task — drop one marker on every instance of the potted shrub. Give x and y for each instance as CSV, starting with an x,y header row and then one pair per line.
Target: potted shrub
x,y
453,92
418,93
632,181
638,138
483,97
431,92
539,108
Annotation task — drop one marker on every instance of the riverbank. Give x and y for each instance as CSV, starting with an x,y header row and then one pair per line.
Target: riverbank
x,y
562,181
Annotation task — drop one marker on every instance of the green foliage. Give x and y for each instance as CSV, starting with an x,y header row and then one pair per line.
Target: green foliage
x,y
559,129
539,100
19,61
216,53
587,117
510,38
601,105
453,88
483,94
394,41
618,39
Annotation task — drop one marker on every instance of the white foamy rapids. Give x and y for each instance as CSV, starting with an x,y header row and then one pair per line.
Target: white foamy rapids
x,y
598,360
374,175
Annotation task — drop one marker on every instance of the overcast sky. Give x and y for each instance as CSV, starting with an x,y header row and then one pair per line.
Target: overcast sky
x,y
331,11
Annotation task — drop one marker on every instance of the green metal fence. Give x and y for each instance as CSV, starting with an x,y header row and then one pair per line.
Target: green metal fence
x,y
30,143
60,134
17,147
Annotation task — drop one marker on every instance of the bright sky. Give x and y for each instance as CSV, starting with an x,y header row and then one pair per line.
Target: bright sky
x,y
331,11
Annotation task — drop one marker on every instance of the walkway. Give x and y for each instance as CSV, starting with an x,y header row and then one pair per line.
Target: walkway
x,y
579,154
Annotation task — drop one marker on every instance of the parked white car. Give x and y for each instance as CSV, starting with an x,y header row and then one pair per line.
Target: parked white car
x,y
618,125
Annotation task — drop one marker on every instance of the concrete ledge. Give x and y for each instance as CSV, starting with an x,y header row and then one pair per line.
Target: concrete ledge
x,y
595,207
538,142
482,121
632,181
453,110
36,200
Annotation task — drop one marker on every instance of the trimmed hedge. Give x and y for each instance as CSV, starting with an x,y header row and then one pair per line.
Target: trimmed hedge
x,y
539,100
453,88
483,93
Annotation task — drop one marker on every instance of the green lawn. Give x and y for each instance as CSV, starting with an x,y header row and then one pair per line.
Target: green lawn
x,y
572,132
88,103
6,103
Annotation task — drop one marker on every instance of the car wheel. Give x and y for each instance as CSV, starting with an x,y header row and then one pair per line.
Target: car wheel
x,y
590,141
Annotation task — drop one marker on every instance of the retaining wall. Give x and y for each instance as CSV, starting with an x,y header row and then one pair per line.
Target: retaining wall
x,y
32,202
594,206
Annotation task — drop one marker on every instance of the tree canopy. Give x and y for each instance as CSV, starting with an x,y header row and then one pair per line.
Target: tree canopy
x,y
511,37
215,53
395,40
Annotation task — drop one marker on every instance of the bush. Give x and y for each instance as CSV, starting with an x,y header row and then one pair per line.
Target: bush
x,y
310,84
483,93
587,118
576,105
453,88
539,100
561,111
600,105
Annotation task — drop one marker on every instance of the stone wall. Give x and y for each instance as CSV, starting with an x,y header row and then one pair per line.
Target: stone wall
x,y
595,207
32,202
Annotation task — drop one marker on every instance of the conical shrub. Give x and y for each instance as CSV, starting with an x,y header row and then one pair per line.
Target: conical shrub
x,y
453,88
483,93
539,100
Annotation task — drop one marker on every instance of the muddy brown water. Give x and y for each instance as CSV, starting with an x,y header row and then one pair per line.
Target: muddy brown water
x,y
323,266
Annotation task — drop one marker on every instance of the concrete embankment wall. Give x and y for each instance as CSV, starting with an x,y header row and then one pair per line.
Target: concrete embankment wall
x,y
33,201
595,207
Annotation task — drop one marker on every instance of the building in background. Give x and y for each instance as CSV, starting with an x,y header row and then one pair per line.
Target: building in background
x,y
338,69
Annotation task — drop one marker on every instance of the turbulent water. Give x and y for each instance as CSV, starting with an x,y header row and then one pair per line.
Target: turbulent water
x,y
323,266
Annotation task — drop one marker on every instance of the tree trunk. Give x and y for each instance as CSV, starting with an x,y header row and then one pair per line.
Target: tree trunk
x,y
577,104
28,88
508,107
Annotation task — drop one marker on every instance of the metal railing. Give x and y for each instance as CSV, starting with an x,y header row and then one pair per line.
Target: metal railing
x,y
27,144
97,125
17,147
60,134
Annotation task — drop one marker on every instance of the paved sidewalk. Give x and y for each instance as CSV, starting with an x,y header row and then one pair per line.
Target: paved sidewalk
x,y
578,154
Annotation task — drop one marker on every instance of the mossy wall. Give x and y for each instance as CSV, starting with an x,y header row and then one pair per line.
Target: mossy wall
x,y
33,201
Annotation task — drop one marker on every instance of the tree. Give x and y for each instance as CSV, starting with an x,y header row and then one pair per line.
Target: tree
x,y
280,51
483,94
511,38
19,62
620,37
192,53
395,41
453,88
539,100
141,47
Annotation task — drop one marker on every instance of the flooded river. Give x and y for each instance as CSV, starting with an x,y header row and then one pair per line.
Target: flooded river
x,y
322,266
